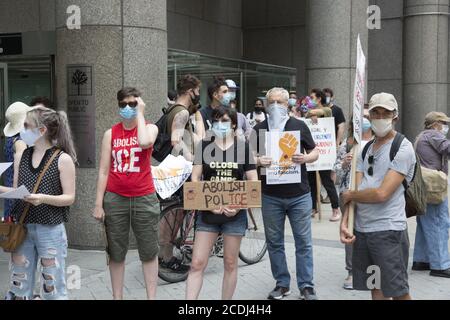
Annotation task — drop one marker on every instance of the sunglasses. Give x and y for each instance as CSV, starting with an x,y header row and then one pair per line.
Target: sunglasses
x,y
371,162
131,104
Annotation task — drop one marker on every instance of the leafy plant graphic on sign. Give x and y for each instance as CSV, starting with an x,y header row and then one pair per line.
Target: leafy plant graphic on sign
x,y
79,79
288,144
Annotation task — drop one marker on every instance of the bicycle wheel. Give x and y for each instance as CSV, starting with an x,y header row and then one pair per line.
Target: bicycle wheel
x,y
176,239
253,245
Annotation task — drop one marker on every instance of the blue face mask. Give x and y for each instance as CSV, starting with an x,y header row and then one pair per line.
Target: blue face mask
x,y
221,129
366,125
30,136
226,99
128,113
314,103
292,102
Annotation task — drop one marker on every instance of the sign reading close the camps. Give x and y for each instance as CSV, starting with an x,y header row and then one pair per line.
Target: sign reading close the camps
x,y
324,135
281,146
81,112
210,195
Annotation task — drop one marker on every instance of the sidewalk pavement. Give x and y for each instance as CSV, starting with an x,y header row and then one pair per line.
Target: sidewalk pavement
x,y
254,282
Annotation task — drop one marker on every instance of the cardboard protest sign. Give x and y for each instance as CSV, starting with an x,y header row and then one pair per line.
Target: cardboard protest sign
x,y
210,195
281,146
324,135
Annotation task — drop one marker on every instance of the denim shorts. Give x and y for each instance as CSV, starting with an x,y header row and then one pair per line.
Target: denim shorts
x,y
237,227
42,242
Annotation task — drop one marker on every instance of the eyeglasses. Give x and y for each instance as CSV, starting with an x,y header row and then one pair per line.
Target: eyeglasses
x,y
123,104
371,162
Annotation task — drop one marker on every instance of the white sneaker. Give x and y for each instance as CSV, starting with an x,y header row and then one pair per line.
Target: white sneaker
x,y
348,283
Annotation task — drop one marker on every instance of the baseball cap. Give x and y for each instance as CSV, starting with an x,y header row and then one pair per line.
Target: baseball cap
x,y
383,100
435,116
231,84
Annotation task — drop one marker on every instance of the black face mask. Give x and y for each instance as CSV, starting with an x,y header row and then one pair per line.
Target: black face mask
x,y
196,99
259,110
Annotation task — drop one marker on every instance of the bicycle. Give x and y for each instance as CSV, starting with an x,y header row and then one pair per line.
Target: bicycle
x,y
177,231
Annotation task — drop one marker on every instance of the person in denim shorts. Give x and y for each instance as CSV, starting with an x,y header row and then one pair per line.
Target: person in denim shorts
x,y
227,158
126,194
47,132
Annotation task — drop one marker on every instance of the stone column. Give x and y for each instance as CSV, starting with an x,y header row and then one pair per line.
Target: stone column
x,y
426,47
126,42
332,31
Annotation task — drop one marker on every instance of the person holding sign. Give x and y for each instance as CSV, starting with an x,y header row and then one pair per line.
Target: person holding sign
x,y
343,168
319,99
47,170
381,235
226,158
14,146
291,199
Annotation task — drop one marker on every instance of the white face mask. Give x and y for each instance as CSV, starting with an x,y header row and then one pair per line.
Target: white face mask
x,y
381,127
30,136
278,114
444,129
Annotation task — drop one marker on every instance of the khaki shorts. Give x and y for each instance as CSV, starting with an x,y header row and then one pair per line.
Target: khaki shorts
x,y
142,213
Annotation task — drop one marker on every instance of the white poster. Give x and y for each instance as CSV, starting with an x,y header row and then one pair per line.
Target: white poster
x,y
359,92
324,135
170,175
281,146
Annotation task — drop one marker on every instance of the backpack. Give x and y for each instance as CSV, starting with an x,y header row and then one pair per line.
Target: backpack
x,y
163,144
415,192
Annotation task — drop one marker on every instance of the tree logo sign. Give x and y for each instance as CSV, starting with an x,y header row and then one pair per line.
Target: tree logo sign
x,y
80,81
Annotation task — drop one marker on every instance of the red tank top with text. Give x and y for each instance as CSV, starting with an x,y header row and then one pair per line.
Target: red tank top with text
x,y
130,173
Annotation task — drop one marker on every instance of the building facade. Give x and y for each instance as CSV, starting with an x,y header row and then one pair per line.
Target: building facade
x,y
297,44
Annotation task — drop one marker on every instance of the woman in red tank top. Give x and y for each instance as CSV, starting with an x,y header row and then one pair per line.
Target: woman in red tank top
x,y
125,191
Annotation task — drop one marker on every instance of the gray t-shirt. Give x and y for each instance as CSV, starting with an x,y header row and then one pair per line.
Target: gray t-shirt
x,y
389,215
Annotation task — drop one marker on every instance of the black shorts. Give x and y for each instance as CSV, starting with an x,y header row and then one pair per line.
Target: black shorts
x,y
386,252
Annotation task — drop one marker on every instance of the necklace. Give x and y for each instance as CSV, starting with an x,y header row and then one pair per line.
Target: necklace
x,y
126,156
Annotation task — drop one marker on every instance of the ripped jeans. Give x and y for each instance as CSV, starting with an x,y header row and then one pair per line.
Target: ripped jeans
x,y
47,244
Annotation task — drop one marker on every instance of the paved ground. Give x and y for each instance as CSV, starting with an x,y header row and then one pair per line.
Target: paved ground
x,y
254,281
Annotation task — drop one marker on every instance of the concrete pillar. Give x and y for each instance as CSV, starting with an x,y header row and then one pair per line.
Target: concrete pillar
x,y
126,42
332,31
426,47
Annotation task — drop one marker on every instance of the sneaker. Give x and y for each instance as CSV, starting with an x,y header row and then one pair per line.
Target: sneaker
x,y
348,283
175,265
336,216
440,273
308,294
420,266
279,293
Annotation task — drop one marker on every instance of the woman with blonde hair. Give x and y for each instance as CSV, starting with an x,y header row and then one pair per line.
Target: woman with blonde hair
x,y
48,167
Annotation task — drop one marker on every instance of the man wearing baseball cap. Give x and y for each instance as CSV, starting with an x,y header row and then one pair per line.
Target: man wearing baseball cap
x,y
380,241
431,245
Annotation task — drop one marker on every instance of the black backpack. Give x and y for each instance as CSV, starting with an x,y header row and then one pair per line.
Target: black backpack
x,y
415,192
163,144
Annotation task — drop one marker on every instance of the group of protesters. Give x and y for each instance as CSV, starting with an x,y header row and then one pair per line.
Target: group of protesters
x,y
39,143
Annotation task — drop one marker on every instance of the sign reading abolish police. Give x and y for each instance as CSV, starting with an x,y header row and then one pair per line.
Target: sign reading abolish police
x,y
210,195
324,135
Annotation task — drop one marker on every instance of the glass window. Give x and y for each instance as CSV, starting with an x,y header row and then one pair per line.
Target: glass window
x,y
254,79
